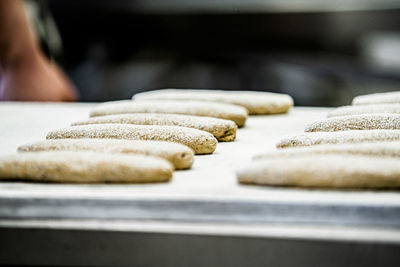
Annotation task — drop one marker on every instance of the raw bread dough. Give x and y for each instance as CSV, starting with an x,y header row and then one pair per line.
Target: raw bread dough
x,y
357,122
231,112
255,102
379,98
179,155
200,141
365,109
354,136
84,167
329,171
384,149
223,130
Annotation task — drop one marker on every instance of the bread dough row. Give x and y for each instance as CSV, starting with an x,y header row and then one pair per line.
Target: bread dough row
x,y
372,103
344,165
358,146
96,161
172,129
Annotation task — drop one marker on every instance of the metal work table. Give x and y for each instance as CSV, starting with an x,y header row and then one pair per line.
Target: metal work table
x,y
203,217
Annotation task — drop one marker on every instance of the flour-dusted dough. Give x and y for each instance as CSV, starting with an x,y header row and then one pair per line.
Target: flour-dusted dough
x,y
328,171
383,149
365,109
354,136
231,112
223,130
84,167
379,98
200,141
377,121
179,155
255,102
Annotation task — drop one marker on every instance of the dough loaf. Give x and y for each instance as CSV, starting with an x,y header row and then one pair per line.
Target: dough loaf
x,y
365,109
223,130
179,155
231,112
255,102
379,98
327,171
200,141
84,167
355,136
381,121
383,149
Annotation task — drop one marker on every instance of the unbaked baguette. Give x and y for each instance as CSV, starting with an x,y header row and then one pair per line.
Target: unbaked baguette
x,y
223,130
84,167
255,102
231,112
365,109
378,98
354,136
179,155
377,121
326,171
383,149
200,141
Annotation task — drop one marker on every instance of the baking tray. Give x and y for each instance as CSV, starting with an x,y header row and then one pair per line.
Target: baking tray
x,y
209,192
203,217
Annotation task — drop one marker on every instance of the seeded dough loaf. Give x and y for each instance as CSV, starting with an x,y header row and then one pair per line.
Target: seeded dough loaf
x,y
84,167
379,98
365,109
200,141
231,112
223,130
327,171
355,136
255,102
383,149
179,155
378,121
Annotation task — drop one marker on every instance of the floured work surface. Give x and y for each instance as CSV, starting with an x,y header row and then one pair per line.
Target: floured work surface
x,y
209,192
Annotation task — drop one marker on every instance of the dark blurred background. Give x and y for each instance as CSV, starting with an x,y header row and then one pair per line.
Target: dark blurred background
x,y
321,52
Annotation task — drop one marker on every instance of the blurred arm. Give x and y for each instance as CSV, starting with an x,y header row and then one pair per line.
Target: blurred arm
x,y
17,43
25,73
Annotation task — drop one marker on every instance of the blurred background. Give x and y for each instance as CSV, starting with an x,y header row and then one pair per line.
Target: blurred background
x,y
321,52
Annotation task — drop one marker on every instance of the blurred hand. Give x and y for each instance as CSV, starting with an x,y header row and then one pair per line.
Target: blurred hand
x,y
36,79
